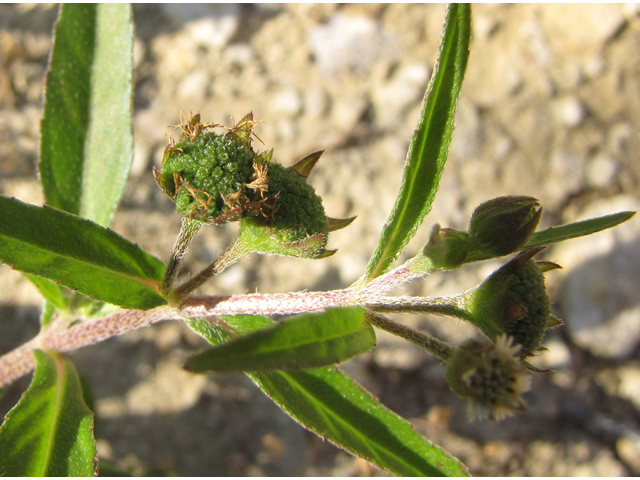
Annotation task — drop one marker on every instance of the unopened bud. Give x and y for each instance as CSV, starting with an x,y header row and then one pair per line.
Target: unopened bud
x,y
513,300
447,248
504,224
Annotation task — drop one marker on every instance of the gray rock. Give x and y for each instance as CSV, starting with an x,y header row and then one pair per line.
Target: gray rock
x,y
629,386
565,175
599,296
352,44
601,171
208,25
286,101
569,111
393,99
346,112
315,102
580,29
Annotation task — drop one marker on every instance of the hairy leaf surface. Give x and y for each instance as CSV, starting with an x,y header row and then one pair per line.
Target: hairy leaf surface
x,y
304,341
79,254
50,431
330,404
429,145
86,142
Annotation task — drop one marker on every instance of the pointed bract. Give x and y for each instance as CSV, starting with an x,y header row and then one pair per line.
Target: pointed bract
x,y
303,167
553,322
339,223
546,266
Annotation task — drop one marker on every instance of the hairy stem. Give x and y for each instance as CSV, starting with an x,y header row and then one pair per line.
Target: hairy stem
x,y
228,258
20,361
267,304
452,306
188,230
437,348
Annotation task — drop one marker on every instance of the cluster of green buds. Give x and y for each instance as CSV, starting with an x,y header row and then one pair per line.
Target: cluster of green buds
x,y
512,309
511,306
497,227
215,178
513,300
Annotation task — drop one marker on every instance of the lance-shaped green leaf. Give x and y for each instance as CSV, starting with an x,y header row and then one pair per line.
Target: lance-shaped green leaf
x,y
50,431
429,144
79,254
304,341
443,244
332,405
565,232
87,142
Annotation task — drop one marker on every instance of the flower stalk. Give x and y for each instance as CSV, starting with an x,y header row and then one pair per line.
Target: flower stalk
x,y
228,258
439,349
188,230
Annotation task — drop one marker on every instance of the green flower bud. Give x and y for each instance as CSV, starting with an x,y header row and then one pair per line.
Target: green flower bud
x,y
296,224
447,248
206,174
490,377
513,300
504,224
216,179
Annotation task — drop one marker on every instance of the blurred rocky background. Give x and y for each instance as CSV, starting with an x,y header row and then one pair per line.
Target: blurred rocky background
x,y
550,107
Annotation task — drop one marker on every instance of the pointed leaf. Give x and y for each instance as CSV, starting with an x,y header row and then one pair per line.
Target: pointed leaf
x,y
565,232
430,143
577,229
304,341
87,142
79,254
333,406
50,431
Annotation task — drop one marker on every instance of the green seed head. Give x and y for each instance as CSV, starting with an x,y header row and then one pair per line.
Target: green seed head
x,y
206,177
297,224
298,209
215,179
513,300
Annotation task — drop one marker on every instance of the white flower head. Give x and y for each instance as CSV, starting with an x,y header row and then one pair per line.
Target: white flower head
x,y
490,377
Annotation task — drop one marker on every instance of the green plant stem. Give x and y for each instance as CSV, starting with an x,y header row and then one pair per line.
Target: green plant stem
x,y
437,348
188,230
228,258
451,306
20,361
